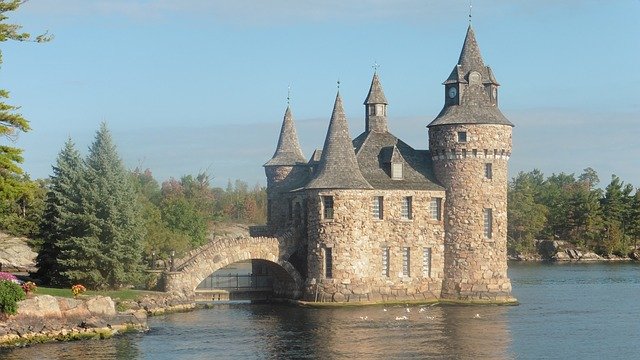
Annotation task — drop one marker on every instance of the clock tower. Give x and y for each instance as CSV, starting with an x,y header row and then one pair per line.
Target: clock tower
x,y
470,145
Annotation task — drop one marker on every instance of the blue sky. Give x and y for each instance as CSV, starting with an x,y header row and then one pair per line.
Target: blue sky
x,y
198,85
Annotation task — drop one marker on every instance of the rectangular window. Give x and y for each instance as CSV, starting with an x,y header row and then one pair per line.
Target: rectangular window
x,y
406,208
426,261
378,207
462,136
396,171
290,210
385,261
488,223
327,207
488,171
406,261
328,263
436,208
269,204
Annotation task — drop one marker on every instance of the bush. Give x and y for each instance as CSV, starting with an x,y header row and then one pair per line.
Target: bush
x,y
10,294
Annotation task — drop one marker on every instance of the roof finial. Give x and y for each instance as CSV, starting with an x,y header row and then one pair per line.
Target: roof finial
x,y
289,94
470,7
338,84
375,67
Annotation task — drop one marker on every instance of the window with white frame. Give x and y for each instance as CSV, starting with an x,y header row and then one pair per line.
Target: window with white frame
x,y
406,261
378,207
407,211
488,223
435,208
396,171
385,261
426,261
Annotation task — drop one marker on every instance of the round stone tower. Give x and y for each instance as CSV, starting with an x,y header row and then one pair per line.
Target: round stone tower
x,y
285,171
470,145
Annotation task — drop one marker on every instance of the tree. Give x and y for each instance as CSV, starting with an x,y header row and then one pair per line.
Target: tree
x,y
526,217
110,252
63,207
15,189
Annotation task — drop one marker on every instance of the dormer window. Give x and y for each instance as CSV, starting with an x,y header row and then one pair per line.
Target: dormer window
x,y
396,171
462,136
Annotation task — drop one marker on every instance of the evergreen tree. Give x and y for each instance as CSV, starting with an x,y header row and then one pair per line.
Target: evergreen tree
x,y
15,189
526,217
60,219
115,228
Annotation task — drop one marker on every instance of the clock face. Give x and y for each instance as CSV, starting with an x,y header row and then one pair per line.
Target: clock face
x,y
453,92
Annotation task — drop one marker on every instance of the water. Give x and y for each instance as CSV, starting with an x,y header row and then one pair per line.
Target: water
x,y
570,311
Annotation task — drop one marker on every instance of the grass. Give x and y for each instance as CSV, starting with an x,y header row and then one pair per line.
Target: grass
x,y
125,294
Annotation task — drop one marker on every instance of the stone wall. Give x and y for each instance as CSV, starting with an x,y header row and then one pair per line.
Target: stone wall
x,y
475,266
44,318
357,241
280,180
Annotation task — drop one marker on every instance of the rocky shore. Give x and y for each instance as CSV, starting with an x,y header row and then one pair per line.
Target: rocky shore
x,y
48,318
558,250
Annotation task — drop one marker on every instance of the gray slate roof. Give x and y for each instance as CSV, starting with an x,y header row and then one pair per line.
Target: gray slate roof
x,y
376,95
375,152
475,106
288,152
338,168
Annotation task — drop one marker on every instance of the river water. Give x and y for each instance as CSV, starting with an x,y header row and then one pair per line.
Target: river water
x,y
567,311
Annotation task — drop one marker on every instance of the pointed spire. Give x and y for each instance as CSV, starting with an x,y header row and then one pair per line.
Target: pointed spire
x,y
338,167
376,95
471,90
470,57
288,151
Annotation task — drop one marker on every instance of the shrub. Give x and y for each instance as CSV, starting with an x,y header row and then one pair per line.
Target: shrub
x,y
10,294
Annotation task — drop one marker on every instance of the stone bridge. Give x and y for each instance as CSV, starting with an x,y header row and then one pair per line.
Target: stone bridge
x,y
200,263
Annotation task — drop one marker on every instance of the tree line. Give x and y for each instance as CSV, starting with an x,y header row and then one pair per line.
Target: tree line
x,y
565,207
95,222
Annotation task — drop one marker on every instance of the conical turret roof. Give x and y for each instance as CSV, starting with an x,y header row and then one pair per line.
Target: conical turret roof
x,y
470,60
338,167
475,105
288,152
376,95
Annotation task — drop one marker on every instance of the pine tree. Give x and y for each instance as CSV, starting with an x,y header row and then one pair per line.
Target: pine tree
x,y
62,206
14,187
115,232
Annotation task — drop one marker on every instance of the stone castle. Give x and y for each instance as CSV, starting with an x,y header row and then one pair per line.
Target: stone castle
x,y
381,221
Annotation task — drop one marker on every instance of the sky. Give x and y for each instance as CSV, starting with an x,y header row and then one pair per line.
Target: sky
x,y
190,86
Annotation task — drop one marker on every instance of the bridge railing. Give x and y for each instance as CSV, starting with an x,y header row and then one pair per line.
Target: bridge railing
x,y
237,282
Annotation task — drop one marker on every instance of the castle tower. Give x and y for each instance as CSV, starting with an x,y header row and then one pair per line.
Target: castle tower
x,y
470,145
375,107
336,248
285,171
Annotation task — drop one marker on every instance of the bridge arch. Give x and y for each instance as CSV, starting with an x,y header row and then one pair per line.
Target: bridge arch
x,y
198,265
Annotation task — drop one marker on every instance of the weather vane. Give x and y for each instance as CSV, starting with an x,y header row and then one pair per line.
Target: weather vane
x,y
338,84
470,7
375,66
289,94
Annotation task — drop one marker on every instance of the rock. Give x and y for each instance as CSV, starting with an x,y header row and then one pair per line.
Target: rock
x,y
561,256
101,305
40,306
16,255
635,255
590,256
547,248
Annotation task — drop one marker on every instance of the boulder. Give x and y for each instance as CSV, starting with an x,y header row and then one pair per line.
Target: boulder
x,y
101,306
40,306
16,255
590,256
